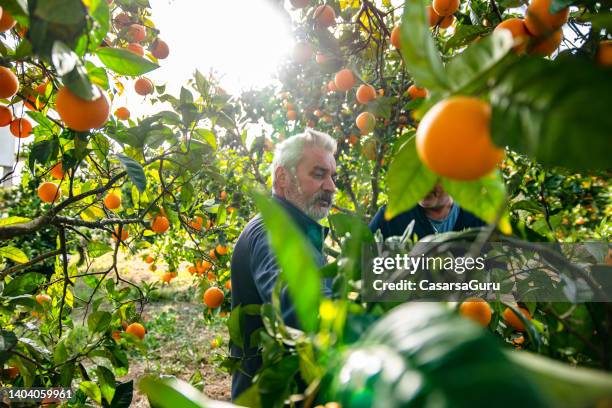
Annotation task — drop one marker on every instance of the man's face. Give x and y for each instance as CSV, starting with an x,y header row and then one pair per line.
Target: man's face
x,y
436,198
313,187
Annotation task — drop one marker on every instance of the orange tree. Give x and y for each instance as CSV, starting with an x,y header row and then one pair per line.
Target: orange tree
x,y
181,178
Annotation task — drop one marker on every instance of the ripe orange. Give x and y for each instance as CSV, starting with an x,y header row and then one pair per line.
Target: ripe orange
x,y
454,139
6,21
436,19
395,36
211,276
289,106
124,234
539,20
213,297
9,84
167,277
122,20
321,58
49,192
136,33
192,270
513,320
365,122
222,195
42,298
353,140
12,372
228,285
212,254
365,93
80,114
160,224
112,201
344,80
517,27
325,16
221,250
445,7
476,309
21,127
160,49
143,86
6,116
136,49
57,171
604,53
116,335
299,3
137,330
415,92
122,113
331,86
196,223
291,115
149,259
546,44
302,53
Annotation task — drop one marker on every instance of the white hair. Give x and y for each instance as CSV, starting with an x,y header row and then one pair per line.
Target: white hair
x,y
288,153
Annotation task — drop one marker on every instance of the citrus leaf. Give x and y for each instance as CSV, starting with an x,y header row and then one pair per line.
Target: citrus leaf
x,y
13,220
135,171
172,392
14,254
125,62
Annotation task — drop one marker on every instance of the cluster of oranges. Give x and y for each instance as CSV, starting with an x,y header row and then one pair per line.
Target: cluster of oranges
x,y
135,329
9,86
479,311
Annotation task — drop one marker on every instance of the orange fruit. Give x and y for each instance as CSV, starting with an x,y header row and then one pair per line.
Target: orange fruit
x,y
395,36
149,259
331,86
137,330
513,320
9,84
302,53
12,372
42,298
49,192
436,19
365,93
211,276
221,250
353,140
192,270
143,86
21,127
476,309
213,297
344,80
122,113
223,196
445,8
212,254
365,122
517,27
167,277
136,33
228,285
454,139
124,233
196,223
116,335
160,224
160,49
57,171
289,106
321,58
299,3
6,21
6,116
415,92
80,114
447,21
546,44
136,49
539,20
122,20
604,53
325,16
112,201
291,115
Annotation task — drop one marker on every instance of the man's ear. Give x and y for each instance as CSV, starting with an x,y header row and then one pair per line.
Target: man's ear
x,y
281,178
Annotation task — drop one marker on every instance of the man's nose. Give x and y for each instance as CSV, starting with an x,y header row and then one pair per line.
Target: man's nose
x,y
329,185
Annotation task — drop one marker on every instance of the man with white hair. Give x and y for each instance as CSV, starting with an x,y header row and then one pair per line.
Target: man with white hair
x,y
303,183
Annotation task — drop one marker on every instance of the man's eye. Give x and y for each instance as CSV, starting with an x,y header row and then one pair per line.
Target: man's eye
x,y
319,175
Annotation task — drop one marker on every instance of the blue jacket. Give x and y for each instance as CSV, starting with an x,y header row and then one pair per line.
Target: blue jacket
x,y
253,273
422,227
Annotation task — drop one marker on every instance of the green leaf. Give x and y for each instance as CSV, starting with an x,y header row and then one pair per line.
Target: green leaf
x,y
125,62
234,326
8,340
123,395
295,259
42,151
56,21
135,171
207,136
92,390
13,220
99,321
418,48
14,254
62,12
106,379
464,34
100,12
96,249
484,197
473,67
173,392
408,180
563,120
